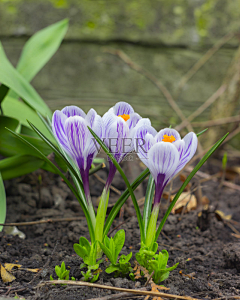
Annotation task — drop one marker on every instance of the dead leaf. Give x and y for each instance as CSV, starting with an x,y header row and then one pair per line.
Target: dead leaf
x,y
9,267
205,200
221,216
183,177
6,276
186,201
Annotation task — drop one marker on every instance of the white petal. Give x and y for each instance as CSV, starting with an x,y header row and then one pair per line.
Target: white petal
x,y
78,134
115,135
169,132
143,141
163,158
58,122
133,121
189,150
180,145
71,111
122,108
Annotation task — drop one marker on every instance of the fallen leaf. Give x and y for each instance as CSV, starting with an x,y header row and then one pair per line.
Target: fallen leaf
x,y
221,216
186,201
183,177
9,267
6,276
205,200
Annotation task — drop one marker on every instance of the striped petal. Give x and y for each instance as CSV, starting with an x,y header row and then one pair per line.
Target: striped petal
x,y
58,122
115,135
77,134
133,121
71,111
169,132
163,159
190,147
122,108
144,140
94,121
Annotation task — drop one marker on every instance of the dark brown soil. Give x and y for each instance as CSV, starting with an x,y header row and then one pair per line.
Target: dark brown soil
x,y
212,256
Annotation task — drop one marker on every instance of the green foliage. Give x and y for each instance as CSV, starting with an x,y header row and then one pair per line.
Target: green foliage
x,y
158,265
112,247
62,273
2,203
89,255
15,83
153,262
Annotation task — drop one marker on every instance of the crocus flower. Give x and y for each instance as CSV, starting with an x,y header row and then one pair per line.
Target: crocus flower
x,y
165,154
120,125
70,130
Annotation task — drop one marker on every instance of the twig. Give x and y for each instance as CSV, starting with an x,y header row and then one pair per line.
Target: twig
x,y
44,221
153,79
203,60
201,108
104,182
119,225
149,278
99,286
204,175
217,122
117,296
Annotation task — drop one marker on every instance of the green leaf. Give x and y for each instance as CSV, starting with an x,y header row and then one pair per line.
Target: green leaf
x,y
85,243
3,209
107,252
58,271
190,176
17,109
106,150
119,240
14,80
163,259
81,251
3,92
201,132
111,269
19,165
40,48
148,203
63,268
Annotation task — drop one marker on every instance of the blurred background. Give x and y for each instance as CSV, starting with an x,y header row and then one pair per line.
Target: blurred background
x,y
179,53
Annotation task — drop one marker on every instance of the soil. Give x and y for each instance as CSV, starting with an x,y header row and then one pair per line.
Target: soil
x,y
207,252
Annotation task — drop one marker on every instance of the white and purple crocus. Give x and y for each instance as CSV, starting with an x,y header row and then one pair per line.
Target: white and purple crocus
x,y
120,125
165,154
70,130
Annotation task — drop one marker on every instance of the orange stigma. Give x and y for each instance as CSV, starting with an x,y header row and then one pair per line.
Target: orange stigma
x,y
167,138
125,117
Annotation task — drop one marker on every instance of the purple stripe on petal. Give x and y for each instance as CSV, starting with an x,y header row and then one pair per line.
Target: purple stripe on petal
x,y
122,108
190,148
77,134
71,111
58,122
163,158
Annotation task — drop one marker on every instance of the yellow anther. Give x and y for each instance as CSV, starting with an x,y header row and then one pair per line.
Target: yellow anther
x,y
167,138
125,117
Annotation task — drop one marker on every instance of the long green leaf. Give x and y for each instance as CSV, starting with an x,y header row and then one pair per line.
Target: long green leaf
x,y
11,78
91,231
122,199
19,110
148,203
40,48
3,209
3,92
19,165
190,176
